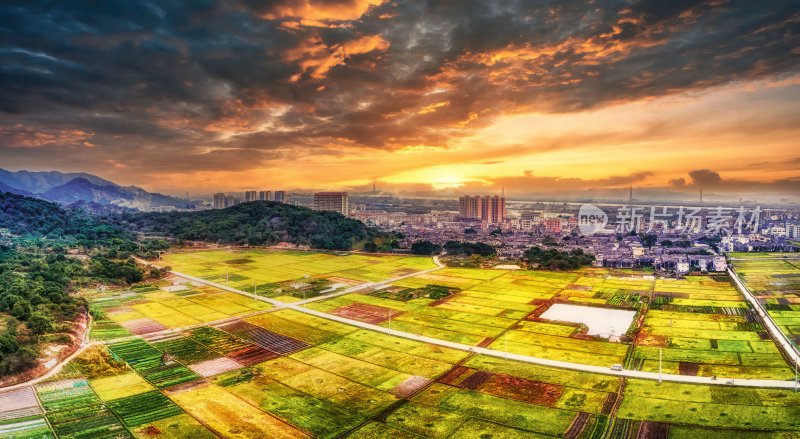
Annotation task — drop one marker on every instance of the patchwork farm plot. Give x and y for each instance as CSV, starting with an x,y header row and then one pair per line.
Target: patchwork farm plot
x,y
173,303
776,283
703,326
276,372
289,275
700,325
496,308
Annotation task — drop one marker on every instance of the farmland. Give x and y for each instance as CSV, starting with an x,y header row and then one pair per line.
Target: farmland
x,y
172,303
776,283
270,371
293,274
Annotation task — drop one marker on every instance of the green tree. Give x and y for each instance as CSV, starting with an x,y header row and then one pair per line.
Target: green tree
x,y
39,323
425,248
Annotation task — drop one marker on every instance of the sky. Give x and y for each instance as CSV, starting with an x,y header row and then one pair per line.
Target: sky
x,y
425,97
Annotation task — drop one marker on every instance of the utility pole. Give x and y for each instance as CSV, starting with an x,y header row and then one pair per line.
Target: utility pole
x,y
795,375
659,365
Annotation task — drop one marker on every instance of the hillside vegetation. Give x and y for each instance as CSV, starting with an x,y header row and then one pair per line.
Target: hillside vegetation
x,y
260,223
37,274
26,217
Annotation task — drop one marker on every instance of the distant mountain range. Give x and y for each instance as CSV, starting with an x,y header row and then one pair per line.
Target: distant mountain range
x,y
81,188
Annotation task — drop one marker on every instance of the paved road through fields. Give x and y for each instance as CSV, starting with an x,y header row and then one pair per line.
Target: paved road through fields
x,y
736,382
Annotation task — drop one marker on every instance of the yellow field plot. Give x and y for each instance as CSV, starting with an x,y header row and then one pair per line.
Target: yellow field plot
x,y
466,297
676,315
683,324
195,310
369,374
424,350
705,333
411,282
288,299
153,309
433,278
468,317
516,290
583,356
124,316
590,347
488,297
229,416
278,266
576,293
221,305
587,300
434,332
448,324
176,320
315,322
471,273
454,305
378,301
158,295
718,303
119,386
546,328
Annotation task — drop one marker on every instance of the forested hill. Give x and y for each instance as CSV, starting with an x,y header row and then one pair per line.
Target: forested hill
x,y
30,217
259,223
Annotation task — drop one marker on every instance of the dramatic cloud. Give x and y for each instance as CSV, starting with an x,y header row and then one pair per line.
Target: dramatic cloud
x,y
229,86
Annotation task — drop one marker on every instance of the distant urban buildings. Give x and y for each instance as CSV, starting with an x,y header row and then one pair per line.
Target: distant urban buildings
x,y
230,200
489,209
333,201
219,200
222,200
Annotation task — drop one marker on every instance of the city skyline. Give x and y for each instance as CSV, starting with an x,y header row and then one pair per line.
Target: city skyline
x,y
420,98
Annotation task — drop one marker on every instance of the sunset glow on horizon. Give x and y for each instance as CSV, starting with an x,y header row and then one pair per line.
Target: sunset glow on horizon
x,y
419,97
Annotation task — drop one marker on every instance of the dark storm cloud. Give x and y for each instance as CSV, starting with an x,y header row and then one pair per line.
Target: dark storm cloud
x,y
231,84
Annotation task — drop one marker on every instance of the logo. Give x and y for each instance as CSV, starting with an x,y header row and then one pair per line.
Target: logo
x,y
591,219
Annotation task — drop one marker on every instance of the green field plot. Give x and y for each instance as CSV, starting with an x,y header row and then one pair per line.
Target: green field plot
x,y
776,283
74,410
399,357
180,426
326,385
151,364
703,326
31,427
316,416
220,341
711,406
186,350
144,408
